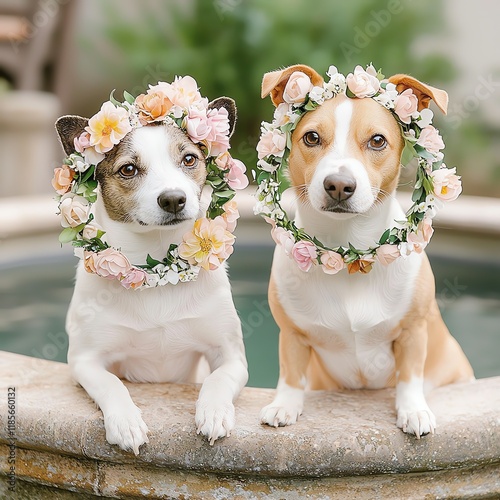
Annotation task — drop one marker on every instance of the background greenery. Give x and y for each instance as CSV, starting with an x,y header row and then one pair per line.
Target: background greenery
x,y
227,45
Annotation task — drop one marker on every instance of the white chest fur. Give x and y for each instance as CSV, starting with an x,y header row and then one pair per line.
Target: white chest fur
x,y
350,318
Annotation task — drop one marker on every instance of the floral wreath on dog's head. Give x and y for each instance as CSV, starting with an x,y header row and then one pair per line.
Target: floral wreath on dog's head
x,y
209,243
434,182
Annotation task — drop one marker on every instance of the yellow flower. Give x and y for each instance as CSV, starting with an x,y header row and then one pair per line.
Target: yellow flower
x,y
208,244
108,127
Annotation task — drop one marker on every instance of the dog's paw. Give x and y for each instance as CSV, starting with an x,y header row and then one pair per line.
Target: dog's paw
x,y
416,421
126,429
279,416
214,420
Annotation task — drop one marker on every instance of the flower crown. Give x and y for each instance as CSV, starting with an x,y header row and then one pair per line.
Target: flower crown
x,y
434,182
210,241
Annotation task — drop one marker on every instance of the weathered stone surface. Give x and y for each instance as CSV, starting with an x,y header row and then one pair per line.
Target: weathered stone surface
x,y
345,442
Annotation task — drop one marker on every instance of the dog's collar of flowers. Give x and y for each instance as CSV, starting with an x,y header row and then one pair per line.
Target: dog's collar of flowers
x,y
210,241
434,182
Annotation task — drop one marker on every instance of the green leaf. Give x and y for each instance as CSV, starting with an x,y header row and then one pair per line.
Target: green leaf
x,y
68,234
384,236
408,153
152,262
87,174
417,194
113,100
128,97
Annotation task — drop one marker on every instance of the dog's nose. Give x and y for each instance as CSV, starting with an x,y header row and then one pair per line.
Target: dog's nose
x,y
172,201
340,187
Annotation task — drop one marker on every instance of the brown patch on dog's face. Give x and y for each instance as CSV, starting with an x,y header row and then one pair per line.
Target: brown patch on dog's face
x,y
147,162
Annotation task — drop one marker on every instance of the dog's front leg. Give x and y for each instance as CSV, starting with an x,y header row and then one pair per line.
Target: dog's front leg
x,y
214,408
410,349
288,403
122,419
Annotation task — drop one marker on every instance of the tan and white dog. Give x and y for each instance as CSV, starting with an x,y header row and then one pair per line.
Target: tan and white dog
x,y
150,186
354,331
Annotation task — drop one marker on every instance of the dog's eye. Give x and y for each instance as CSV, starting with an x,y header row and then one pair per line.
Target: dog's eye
x,y
377,142
190,161
128,171
312,139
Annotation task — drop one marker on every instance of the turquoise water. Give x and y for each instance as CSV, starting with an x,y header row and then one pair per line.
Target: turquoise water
x,y
34,297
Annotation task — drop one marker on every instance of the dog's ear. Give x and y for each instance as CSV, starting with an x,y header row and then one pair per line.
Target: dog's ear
x,y
423,92
68,127
230,106
274,83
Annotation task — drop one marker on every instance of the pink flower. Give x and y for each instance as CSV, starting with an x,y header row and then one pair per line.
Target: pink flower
x,y
208,244
111,264
425,227
74,210
108,127
236,177
231,215
406,105
183,91
281,114
272,142
82,142
332,262
89,261
218,137
197,124
282,237
297,87
363,83
91,230
63,177
430,139
447,185
387,253
304,254
134,278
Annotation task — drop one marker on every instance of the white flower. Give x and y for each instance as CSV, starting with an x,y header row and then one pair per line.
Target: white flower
x,y
426,116
152,280
337,84
281,116
172,277
387,97
332,71
317,95
268,167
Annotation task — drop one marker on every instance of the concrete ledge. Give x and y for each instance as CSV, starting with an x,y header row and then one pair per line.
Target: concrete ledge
x,y
346,443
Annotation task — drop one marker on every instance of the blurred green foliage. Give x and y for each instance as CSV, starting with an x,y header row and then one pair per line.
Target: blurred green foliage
x,y
227,45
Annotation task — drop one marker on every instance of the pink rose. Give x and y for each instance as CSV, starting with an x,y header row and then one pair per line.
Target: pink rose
x,y
281,114
297,87
236,177
416,242
197,124
82,142
387,253
90,231
134,278
272,142
74,210
218,120
332,262
406,105
182,92
63,177
447,185
430,139
304,254
111,264
363,83
231,215
282,237
425,227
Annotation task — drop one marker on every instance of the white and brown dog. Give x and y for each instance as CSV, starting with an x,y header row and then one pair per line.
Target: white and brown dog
x,y
354,331
150,186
